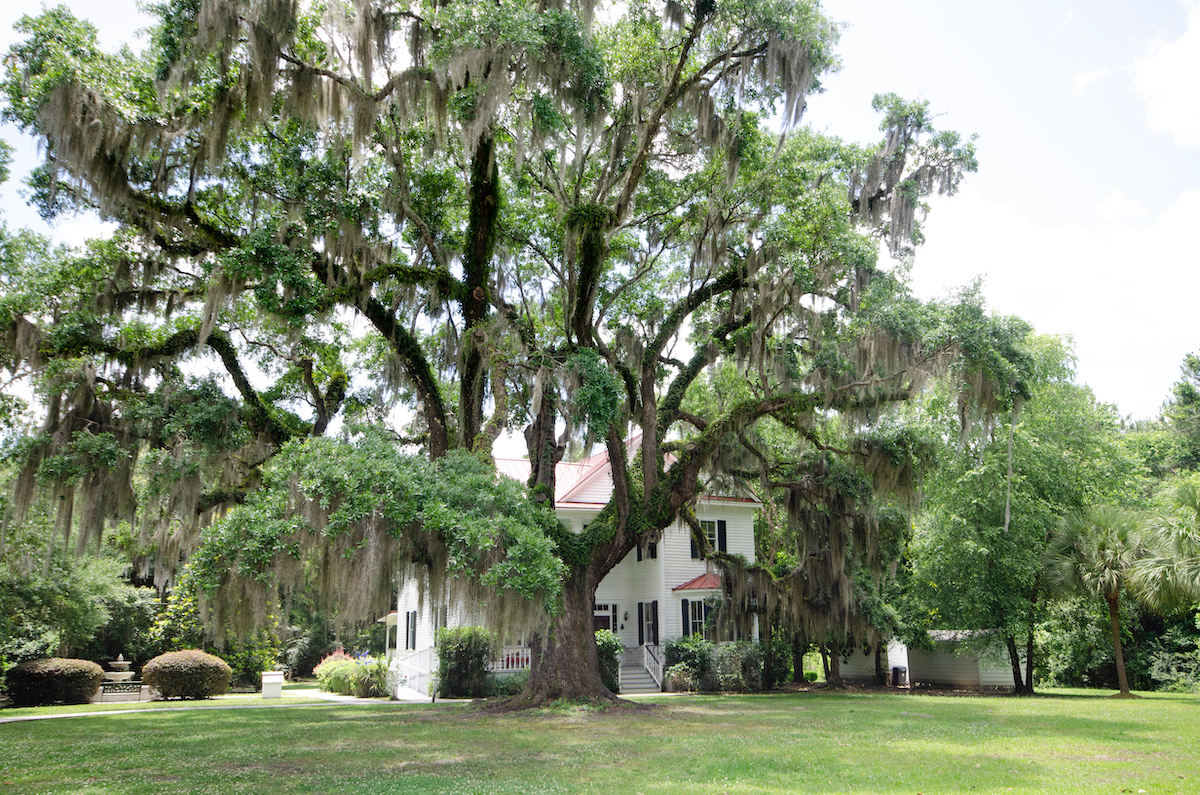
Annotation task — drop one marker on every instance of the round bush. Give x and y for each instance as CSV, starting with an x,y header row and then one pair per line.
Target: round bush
x,y
187,674
54,680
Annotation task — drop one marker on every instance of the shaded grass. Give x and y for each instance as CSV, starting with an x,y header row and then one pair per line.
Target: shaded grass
x,y
800,742
253,700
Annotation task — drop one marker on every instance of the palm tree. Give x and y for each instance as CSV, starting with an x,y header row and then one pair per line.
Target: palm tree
x,y
1168,578
1094,553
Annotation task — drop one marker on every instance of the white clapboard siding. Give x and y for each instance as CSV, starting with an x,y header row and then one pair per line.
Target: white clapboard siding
x,y
941,668
859,667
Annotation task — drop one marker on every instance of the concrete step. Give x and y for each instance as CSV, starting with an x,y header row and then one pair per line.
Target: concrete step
x,y
636,679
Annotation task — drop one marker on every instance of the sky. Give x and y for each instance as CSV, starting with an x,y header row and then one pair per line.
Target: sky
x,y
1088,121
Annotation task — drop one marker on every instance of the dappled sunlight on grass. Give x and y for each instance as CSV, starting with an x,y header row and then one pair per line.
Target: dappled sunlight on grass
x,y
802,742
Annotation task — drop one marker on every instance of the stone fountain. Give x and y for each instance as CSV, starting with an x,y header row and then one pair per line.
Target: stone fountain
x,y
120,670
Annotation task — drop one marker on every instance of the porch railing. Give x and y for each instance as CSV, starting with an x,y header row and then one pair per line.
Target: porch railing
x,y
652,659
415,669
511,658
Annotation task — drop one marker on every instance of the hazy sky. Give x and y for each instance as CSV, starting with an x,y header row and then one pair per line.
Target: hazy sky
x,y
1088,116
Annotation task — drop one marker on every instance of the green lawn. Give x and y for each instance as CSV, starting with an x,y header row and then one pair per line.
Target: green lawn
x,y
1075,741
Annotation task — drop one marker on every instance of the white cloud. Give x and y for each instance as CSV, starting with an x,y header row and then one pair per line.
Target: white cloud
x,y
1117,208
1167,80
1080,82
1124,292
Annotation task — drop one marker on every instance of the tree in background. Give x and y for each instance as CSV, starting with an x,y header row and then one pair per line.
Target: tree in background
x,y
1182,415
997,497
1095,552
533,219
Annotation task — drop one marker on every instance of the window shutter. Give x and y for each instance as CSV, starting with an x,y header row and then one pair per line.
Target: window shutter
x,y
641,625
654,551
654,612
721,539
639,549
695,551
687,619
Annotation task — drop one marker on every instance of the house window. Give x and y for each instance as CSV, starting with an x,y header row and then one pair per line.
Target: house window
x,y
648,623
651,552
696,619
604,617
699,611
410,629
714,534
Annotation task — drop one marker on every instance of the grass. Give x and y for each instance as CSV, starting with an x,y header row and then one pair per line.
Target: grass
x,y
1074,741
250,700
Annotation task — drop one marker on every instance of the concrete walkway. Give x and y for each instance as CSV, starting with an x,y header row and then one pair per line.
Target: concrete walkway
x,y
316,698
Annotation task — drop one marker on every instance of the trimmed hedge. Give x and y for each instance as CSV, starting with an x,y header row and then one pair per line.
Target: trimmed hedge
x,y
187,674
54,680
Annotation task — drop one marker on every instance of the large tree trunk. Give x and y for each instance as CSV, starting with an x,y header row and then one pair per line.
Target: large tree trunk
x,y
1114,619
835,665
544,451
483,214
565,665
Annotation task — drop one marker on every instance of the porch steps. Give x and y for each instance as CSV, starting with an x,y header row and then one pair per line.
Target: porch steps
x,y
636,679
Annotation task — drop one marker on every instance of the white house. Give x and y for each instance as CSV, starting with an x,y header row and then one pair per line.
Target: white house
x,y
664,591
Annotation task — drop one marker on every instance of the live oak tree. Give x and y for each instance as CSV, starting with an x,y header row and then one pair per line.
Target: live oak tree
x,y
429,223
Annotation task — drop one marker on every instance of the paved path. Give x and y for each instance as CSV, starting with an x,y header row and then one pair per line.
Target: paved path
x,y
316,698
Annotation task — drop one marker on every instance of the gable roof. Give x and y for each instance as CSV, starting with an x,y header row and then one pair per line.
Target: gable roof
x,y
587,483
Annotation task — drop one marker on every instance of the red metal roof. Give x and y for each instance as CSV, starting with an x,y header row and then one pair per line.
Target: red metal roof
x,y
705,582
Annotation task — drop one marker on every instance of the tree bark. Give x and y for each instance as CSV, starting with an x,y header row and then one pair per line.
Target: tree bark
x,y
565,665
834,676
1014,658
544,451
483,214
1114,620
1029,663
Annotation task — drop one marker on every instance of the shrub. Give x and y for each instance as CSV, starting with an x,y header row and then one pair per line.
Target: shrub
x,y
463,657
304,654
335,672
738,666
53,680
370,677
693,651
510,684
336,676
696,654
810,676
250,657
681,678
187,674
609,648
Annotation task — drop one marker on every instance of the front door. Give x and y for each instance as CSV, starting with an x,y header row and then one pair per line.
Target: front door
x,y
603,617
